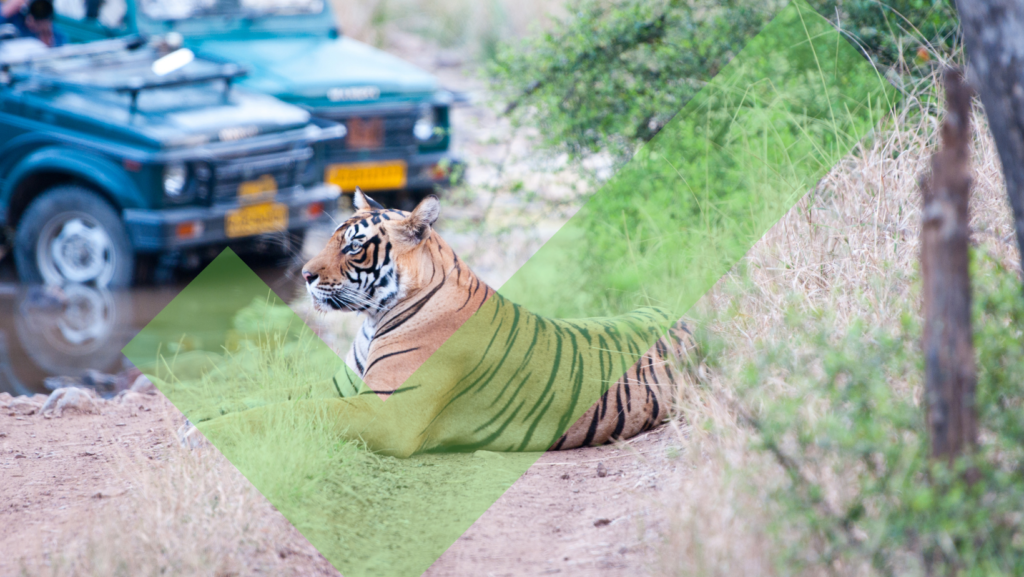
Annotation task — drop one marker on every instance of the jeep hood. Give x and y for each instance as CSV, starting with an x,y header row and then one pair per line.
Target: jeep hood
x,y
170,118
302,69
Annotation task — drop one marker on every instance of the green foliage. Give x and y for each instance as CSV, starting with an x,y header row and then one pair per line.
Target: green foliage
x,y
893,31
610,75
691,203
848,430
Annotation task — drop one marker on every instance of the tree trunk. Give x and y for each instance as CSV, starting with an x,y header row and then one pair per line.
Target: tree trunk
x,y
992,31
950,375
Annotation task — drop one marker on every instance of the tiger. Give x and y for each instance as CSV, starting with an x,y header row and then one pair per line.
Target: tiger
x,y
461,367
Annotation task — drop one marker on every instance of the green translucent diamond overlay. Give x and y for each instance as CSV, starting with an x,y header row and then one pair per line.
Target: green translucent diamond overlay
x,y
286,411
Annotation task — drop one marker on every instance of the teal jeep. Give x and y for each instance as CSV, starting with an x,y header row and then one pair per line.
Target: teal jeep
x,y
395,113
115,150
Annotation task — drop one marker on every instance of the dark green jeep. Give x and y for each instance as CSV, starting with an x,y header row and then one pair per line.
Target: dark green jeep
x,y
114,150
396,114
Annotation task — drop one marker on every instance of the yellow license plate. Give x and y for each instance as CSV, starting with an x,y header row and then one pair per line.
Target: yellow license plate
x,y
256,219
367,175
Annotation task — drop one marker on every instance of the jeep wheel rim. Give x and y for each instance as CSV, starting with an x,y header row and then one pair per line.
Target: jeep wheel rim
x,y
74,247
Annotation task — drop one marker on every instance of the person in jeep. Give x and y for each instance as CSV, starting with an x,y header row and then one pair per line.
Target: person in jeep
x,y
33,18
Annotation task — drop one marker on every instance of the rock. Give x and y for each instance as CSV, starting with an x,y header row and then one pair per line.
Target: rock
x,y
602,471
602,522
4,399
54,383
70,399
127,378
143,385
24,405
131,398
189,436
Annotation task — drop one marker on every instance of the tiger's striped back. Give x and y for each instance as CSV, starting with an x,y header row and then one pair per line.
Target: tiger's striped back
x,y
467,369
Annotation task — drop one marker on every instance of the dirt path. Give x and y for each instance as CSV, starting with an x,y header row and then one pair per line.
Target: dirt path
x,y
563,518
65,482
84,486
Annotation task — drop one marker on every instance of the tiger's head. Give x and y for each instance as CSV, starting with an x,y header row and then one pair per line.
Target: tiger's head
x,y
373,259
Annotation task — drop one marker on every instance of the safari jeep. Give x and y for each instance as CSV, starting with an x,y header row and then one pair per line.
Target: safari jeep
x,y
116,151
395,113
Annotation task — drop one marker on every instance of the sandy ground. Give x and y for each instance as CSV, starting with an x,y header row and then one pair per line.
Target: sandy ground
x,y
62,477
563,518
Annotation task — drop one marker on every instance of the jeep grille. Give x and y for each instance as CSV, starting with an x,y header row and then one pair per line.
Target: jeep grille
x,y
285,166
378,131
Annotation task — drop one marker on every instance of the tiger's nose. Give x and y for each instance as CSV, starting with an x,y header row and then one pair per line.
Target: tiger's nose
x,y
310,277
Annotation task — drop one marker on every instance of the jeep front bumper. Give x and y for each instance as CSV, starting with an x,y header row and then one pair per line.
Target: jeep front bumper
x,y
192,226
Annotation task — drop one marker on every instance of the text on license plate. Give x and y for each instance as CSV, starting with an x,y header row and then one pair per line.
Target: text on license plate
x,y
256,219
367,175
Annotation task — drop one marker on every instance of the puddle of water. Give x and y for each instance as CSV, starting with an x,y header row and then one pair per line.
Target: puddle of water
x,y
48,332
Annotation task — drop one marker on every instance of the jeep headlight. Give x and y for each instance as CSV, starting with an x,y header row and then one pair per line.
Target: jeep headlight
x,y
175,176
423,130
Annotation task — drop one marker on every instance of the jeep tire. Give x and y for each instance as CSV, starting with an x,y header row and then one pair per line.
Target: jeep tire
x,y
71,234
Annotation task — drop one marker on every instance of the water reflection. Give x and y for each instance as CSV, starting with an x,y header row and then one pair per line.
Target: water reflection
x,y
73,335
67,330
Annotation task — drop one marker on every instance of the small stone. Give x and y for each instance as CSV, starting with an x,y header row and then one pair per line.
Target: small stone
x,y
130,398
602,471
55,383
565,476
23,406
143,386
602,522
127,378
69,398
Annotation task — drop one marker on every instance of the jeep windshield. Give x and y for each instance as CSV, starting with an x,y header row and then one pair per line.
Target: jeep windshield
x,y
183,9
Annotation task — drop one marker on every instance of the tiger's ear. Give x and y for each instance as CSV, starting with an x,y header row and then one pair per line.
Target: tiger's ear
x,y
363,202
416,227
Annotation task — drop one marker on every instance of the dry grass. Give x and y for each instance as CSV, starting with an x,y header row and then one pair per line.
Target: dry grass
x,y
849,248
190,513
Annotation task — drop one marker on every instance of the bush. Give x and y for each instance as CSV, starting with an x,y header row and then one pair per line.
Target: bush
x,y
844,419
610,75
